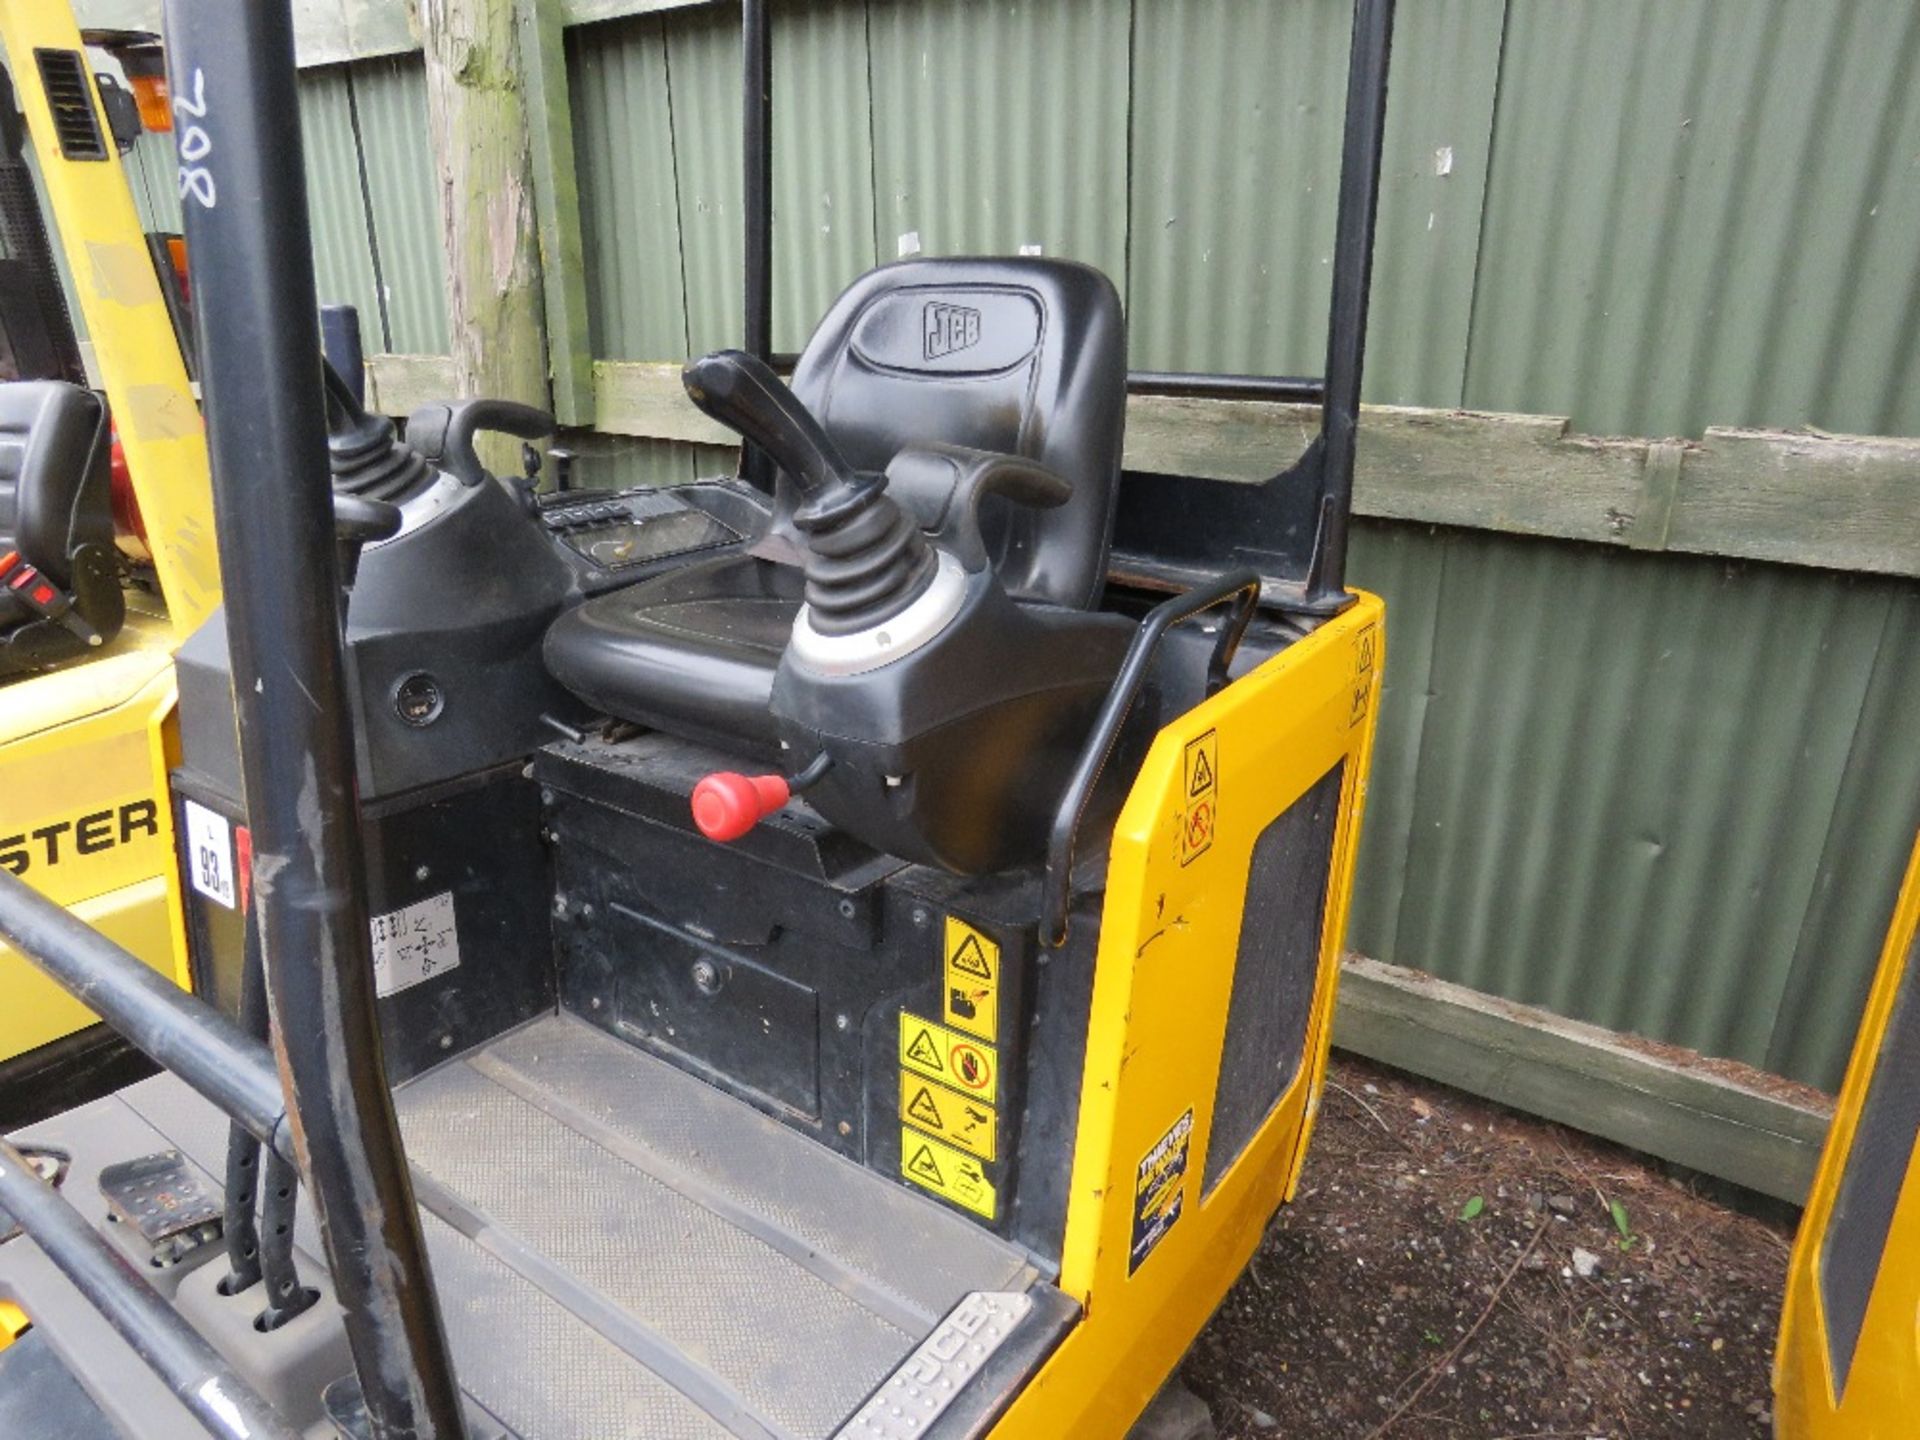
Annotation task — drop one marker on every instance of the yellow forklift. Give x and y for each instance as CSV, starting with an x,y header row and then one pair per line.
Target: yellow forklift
x,y
107,556
841,950
1848,1366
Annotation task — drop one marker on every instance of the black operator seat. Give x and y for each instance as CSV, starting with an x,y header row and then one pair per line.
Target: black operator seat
x,y
1026,357
59,590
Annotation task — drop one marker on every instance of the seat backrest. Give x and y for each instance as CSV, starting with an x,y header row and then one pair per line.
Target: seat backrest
x,y
1025,356
54,491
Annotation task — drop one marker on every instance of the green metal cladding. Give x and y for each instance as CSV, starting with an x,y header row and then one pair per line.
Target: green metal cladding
x,y
1669,795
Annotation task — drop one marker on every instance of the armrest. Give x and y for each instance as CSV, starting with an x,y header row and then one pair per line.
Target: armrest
x,y
941,486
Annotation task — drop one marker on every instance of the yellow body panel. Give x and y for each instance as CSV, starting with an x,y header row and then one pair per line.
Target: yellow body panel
x,y
1163,980
85,819
1881,1399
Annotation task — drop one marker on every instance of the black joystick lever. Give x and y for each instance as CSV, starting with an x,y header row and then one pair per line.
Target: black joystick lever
x,y
866,561
368,461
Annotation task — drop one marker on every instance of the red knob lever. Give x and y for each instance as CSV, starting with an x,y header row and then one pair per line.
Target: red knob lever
x,y
726,804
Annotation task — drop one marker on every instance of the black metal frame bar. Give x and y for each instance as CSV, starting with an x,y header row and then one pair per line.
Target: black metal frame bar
x,y
218,1398
756,49
1363,140
1327,466
1240,586
1283,389
173,1029
231,73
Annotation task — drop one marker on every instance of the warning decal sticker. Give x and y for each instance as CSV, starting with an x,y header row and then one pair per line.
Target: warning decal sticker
x,y
947,1173
955,1118
1160,1190
1366,646
972,980
969,1066
1199,796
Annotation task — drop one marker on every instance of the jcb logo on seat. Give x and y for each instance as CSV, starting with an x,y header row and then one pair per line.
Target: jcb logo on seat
x,y
950,328
60,841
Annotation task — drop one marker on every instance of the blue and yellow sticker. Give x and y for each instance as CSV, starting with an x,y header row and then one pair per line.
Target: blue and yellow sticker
x,y
1160,1190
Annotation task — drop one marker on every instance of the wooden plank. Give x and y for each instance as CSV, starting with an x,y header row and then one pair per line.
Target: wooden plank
x,y
1763,1134
1844,501
400,384
643,398
325,32
556,204
1659,489
1834,501
585,12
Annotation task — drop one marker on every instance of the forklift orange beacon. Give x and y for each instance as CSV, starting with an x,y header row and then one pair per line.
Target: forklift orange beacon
x,y
842,950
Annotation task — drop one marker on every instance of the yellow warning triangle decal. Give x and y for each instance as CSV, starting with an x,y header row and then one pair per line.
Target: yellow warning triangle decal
x,y
1202,776
969,960
922,1109
924,1052
923,1167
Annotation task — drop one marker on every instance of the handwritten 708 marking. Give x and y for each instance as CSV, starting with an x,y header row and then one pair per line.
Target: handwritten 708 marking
x,y
195,145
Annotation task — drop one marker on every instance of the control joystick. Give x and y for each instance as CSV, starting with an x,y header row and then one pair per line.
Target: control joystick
x,y
867,562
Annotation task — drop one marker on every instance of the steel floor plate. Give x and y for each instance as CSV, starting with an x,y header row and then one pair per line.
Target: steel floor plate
x,y
622,1251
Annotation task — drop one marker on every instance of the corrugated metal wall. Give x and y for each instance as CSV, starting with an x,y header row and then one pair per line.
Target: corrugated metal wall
x,y
1664,794
1670,795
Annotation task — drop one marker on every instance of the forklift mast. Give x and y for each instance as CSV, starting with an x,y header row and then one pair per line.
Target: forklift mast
x,y
1100,838
138,349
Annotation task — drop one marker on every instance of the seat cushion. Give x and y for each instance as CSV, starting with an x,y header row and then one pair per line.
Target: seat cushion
x,y
691,652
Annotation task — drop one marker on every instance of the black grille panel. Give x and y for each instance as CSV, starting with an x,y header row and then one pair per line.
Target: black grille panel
x,y
1274,971
1883,1147
63,74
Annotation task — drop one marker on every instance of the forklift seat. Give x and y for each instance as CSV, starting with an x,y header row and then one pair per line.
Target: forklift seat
x,y
56,525
1024,357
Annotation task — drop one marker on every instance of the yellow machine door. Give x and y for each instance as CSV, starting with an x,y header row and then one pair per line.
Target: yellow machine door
x,y
1849,1361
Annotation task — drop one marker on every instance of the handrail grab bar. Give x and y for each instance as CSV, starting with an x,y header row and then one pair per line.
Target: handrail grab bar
x,y
1240,586
175,1030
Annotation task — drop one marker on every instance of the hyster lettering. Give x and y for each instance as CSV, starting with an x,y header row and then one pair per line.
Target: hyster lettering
x,y
60,841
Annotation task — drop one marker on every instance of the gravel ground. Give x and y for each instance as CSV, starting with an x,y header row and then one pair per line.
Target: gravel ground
x,y
1452,1270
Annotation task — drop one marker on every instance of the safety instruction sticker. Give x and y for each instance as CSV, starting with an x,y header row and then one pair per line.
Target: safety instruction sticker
x,y
958,1119
947,1173
972,980
1199,796
1160,1190
969,1065
414,943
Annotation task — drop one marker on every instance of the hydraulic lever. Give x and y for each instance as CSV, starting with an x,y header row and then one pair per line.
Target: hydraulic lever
x,y
866,561
250,1257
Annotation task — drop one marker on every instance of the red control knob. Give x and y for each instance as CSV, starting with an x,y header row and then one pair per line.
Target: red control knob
x,y
726,805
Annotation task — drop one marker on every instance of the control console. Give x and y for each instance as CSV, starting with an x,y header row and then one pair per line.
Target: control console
x,y
608,537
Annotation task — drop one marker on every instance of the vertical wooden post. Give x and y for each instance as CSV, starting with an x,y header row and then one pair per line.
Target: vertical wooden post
x,y
556,196
477,118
